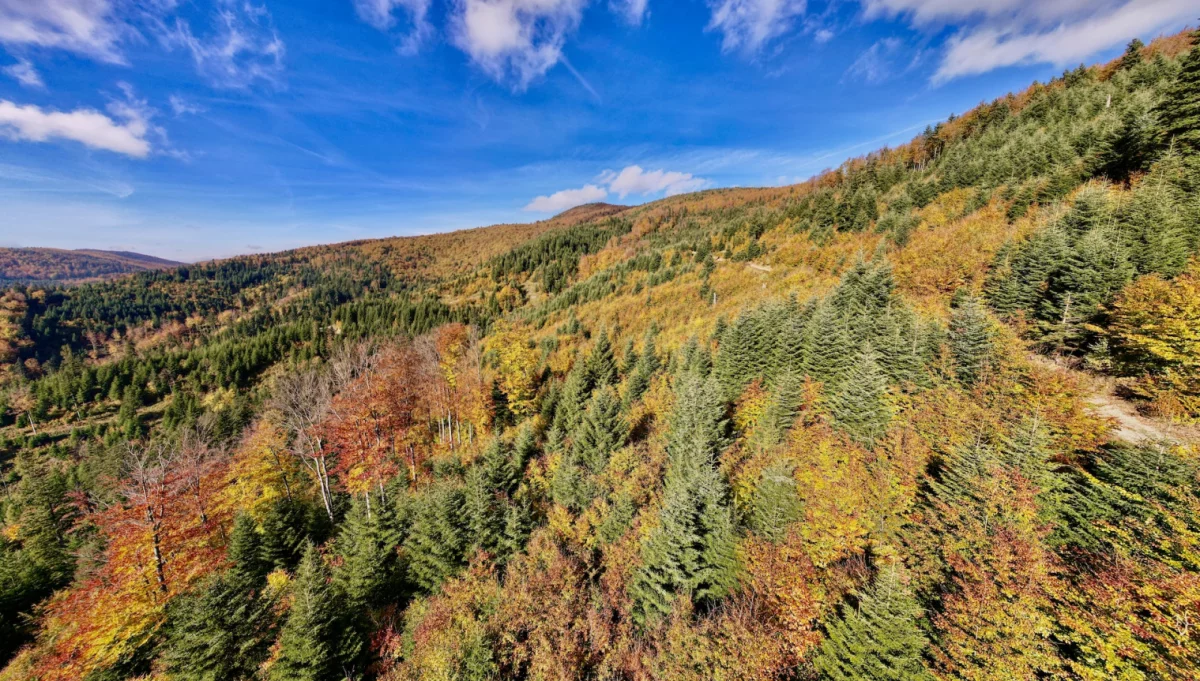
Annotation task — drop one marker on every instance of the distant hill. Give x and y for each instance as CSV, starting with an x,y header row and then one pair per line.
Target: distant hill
x,y
64,266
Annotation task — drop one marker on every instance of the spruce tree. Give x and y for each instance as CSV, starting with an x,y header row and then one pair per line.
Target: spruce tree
x,y
692,549
970,339
366,542
860,405
218,631
601,364
781,410
830,347
776,502
314,643
602,432
284,533
440,535
881,639
1179,109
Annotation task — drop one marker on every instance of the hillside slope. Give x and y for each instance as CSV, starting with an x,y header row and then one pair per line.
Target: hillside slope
x,y
779,433
62,266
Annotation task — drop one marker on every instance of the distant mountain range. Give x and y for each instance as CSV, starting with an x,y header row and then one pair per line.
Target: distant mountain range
x,y
67,266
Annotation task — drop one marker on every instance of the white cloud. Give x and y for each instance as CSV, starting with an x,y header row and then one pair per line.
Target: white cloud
x,y
87,27
25,74
632,11
515,41
823,35
748,25
635,180
567,198
381,14
990,47
87,126
183,106
631,180
242,48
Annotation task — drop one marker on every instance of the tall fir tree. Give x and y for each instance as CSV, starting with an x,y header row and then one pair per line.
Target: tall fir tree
x,y
370,568
692,550
881,639
314,643
601,364
602,432
830,347
1179,109
439,537
219,631
970,339
860,405
776,503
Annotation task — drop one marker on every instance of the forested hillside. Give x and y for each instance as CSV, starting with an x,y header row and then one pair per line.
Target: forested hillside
x,y
807,432
34,265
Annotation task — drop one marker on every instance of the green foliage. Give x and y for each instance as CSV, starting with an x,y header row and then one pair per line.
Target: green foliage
x,y
881,639
860,405
370,571
439,537
971,342
314,643
776,503
1180,104
692,549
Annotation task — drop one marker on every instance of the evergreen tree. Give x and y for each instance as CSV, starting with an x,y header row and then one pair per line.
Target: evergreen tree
x,y
245,553
602,432
601,364
439,537
781,410
880,640
284,533
314,643
1097,269
860,405
1133,54
776,502
970,339
830,345
1179,108
368,574
692,549
791,349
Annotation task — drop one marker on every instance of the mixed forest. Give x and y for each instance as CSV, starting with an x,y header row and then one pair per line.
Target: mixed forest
x,y
838,430
53,265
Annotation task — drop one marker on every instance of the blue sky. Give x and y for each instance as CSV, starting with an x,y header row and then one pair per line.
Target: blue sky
x,y
206,128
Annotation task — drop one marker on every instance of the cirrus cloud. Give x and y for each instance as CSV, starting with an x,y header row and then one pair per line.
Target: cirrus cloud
x,y
86,27
381,14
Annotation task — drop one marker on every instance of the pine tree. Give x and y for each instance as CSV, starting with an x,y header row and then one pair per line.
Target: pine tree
x,y
860,405
314,643
692,549
970,339
1179,108
791,349
1133,54
1097,269
245,553
880,640
776,502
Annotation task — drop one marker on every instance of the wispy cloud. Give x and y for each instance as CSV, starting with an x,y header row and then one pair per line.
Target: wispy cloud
x,y
632,11
749,25
381,14
241,49
25,74
182,106
635,180
875,64
87,27
993,34
567,198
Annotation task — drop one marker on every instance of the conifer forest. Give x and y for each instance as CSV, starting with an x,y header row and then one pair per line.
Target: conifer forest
x,y
932,415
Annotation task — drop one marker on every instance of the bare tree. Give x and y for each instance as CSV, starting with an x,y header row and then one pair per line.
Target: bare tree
x,y
303,399
146,487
